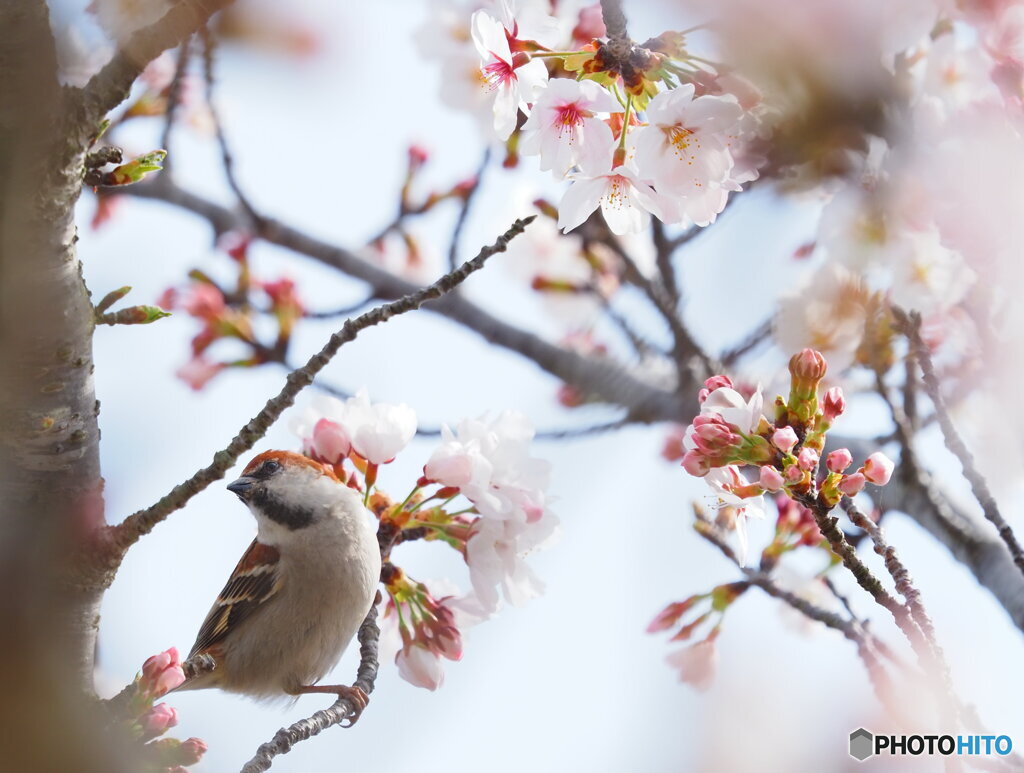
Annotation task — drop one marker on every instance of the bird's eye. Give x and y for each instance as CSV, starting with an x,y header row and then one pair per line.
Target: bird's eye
x,y
271,467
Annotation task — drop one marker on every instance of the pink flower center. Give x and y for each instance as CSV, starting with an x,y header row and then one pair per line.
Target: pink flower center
x,y
498,73
568,117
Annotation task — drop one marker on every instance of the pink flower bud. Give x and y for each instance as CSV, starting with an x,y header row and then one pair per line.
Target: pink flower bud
x,y
696,464
702,395
878,468
159,719
717,382
839,460
330,441
770,478
808,366
793,474
852,485
807,459
834,404
418,156
161,673
784,439
191,751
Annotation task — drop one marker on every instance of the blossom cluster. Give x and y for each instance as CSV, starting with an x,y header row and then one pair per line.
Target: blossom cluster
x,y
481,493
672,140
142,721
731,431
228,315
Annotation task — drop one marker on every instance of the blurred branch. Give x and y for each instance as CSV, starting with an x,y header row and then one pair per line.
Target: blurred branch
x,y
111,85
124,535
344,311
304,729
758,335
555,434
467,201
868,646
227,159
174,99
954,442
828,524
606,380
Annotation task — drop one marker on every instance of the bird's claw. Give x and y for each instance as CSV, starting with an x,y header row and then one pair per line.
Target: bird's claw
x,y
358,699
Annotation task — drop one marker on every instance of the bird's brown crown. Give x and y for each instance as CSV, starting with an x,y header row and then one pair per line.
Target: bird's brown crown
x,y
288,459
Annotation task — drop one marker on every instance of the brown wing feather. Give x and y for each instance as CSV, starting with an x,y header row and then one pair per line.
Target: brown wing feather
x,y
253,582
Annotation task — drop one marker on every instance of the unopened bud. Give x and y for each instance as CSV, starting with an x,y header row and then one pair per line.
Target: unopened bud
x,y
770,478
696,464
839,460
834,404
807,460
878,468
808,366
784,439
852,485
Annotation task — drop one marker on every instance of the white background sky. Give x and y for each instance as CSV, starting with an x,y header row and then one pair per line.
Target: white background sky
x,y
571,680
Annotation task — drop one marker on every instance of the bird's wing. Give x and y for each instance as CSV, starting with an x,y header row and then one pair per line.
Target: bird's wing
x,y
255,579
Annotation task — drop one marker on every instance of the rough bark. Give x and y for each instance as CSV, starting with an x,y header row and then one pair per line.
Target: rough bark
x,y
49,455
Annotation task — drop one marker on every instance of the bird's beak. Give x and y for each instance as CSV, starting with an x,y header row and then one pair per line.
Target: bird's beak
x,y
241,486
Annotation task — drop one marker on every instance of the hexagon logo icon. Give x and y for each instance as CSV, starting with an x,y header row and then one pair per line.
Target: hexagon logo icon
x,y
861,744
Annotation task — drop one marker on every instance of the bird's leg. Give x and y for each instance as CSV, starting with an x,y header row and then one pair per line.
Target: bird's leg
x,y
355,696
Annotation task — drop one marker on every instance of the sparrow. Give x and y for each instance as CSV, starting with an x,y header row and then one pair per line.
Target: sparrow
x,y
301,590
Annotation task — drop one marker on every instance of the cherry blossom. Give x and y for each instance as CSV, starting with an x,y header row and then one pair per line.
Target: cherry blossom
x,y
684,150
696,664
375,431
828,313
564,129
625,201
495,553
489,461
514,81
733,490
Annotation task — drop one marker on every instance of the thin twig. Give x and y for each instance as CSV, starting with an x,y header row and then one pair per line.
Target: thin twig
x,y
931,654
174,100
344,311
756,336
142,522
663,257
227,159
467,201
684,346
342,709
555,434
851,629
954,441
602,377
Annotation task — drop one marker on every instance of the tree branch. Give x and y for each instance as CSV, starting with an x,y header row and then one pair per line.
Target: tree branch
x,y
124,535
868,646
110,86
955,443
366,678
606,380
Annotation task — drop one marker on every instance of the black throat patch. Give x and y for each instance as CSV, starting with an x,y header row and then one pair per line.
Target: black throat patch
x,y
274,509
